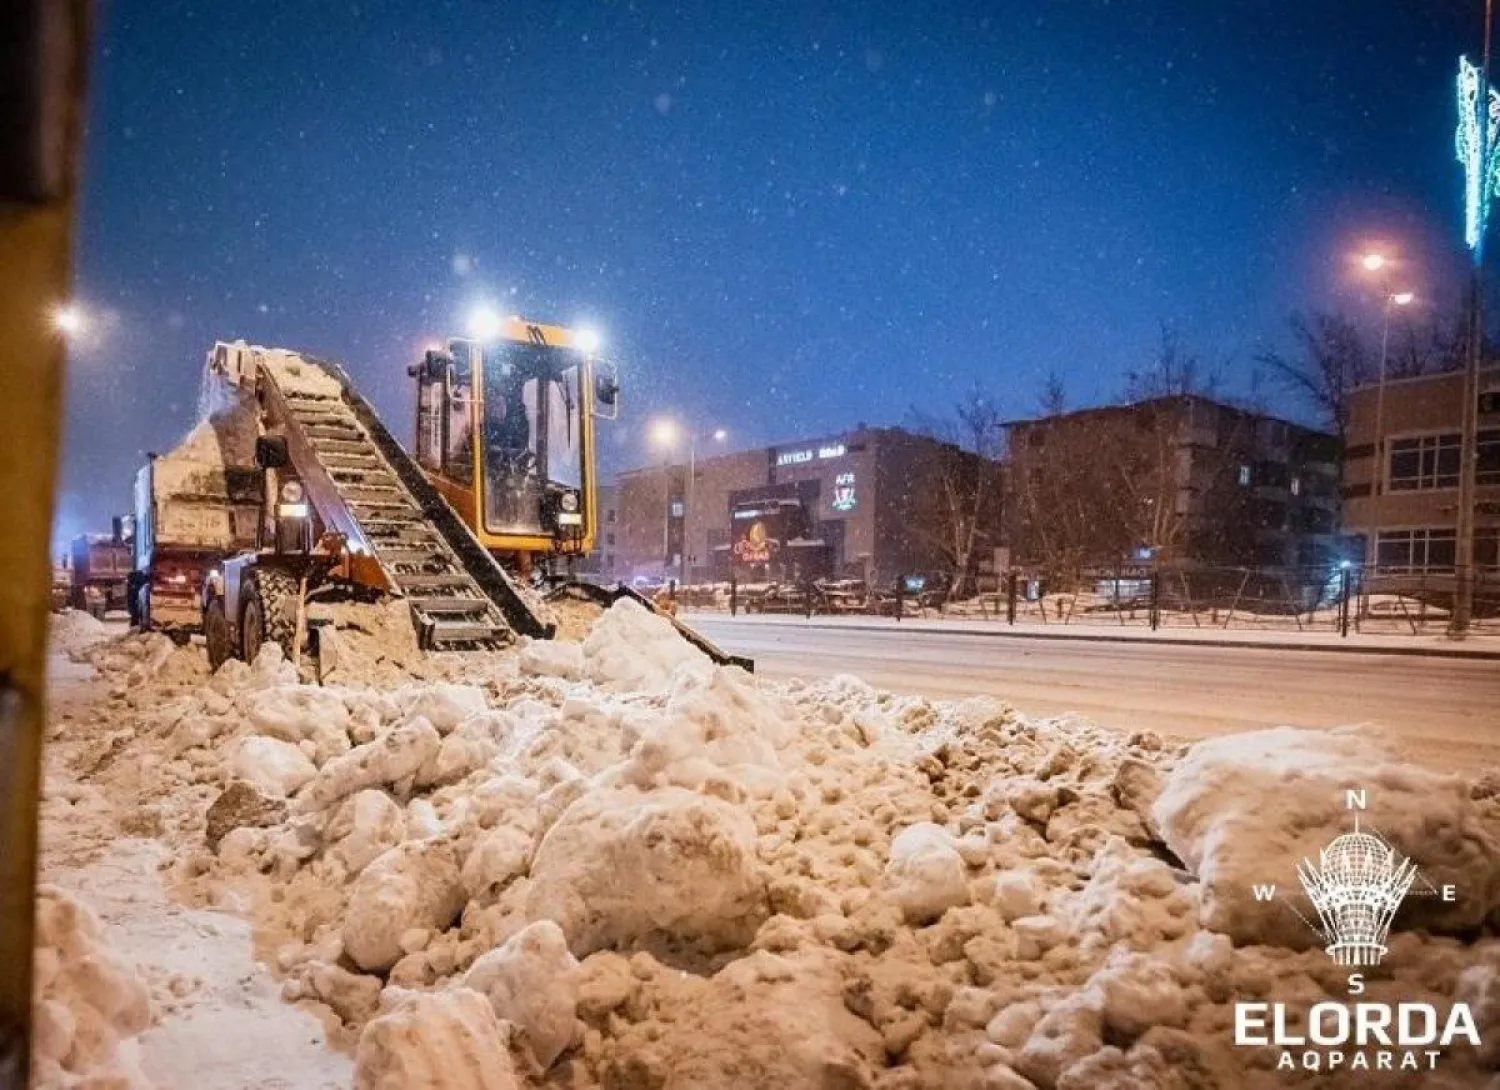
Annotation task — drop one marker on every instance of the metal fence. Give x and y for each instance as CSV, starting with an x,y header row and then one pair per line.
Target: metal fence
x,y
1339,599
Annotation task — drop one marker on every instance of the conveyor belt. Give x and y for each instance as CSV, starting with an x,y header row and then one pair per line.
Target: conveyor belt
x,y
364,485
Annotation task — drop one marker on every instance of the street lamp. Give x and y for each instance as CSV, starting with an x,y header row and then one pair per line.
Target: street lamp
x,y
665,433
1376,262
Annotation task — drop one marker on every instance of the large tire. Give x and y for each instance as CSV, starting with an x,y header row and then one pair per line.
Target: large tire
x,y
216,634
268,612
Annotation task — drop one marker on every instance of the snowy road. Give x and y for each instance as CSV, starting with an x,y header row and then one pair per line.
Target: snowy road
x,y
1444,710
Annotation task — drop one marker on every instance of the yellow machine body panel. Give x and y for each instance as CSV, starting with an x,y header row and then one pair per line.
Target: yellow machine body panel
x,y
505,432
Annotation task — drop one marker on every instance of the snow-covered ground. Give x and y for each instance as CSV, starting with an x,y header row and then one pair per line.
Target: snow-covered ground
x,y
612,864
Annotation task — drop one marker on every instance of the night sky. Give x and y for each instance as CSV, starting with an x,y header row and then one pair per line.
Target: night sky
x,y
784,218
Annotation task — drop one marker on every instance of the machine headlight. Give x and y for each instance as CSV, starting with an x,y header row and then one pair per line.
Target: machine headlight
x,y
291,510
292,492
569,501
567,519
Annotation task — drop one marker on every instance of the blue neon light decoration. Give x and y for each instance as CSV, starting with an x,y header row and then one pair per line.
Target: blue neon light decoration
x,y
1476,146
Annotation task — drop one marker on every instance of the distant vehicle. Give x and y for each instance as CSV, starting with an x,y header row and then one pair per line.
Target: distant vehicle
x,y
62,587
100,570
193,506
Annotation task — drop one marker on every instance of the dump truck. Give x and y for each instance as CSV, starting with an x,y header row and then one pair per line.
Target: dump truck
x,y
100,570
342,509
193,506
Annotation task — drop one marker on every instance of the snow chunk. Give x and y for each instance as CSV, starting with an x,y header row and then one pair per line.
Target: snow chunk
x,y
718,728
1139,991
1016,895
435,1041
619,867
294,713
391,757
74,631
365,827
497,857
631,649
88,1000
533,981
277,768
769,1023
413,885
442,704
926,874
552,658
1245,809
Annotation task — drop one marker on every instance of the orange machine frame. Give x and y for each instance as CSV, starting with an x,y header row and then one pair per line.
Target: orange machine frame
x,y
465,499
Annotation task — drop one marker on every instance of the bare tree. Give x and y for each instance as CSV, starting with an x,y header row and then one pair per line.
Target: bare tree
x,y
1090,488
1054,396
1333,360
958,508
1428,347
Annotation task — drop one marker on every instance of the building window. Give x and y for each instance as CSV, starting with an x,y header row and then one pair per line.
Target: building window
x,y
1415,552
1487,466
610,515
609,538
676,509
1244,476
1487,547
1295,486
1424,462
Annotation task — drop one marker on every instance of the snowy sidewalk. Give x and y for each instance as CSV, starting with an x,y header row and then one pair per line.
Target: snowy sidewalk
x,y
1485,646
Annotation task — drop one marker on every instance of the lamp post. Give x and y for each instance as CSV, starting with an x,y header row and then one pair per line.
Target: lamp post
x,y
1375,262
665,433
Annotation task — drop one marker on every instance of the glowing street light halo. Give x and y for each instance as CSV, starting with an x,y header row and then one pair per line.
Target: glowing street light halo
x,y
1373,261
587,340
485,322
68,319
664,432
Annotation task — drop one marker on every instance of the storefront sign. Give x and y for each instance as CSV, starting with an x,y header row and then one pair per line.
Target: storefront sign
x,y
810,454
843,492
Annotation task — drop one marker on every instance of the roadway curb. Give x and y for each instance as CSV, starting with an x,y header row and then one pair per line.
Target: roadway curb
x,y
1027,633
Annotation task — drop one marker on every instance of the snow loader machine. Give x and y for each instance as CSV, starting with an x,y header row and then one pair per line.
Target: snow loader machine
x,y
346,511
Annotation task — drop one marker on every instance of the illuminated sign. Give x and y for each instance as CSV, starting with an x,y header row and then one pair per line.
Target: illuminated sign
x,y
810,454
843,492
1477,148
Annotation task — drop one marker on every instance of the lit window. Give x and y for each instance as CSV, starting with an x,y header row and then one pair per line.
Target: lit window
x,y
676,509
1244,476
1295,485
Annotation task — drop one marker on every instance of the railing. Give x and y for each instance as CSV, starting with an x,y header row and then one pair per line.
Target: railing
x,y
1337,599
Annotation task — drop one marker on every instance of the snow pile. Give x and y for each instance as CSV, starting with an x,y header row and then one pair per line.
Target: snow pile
x,y
631,649
88,1004
73,632
1245,809
609,869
